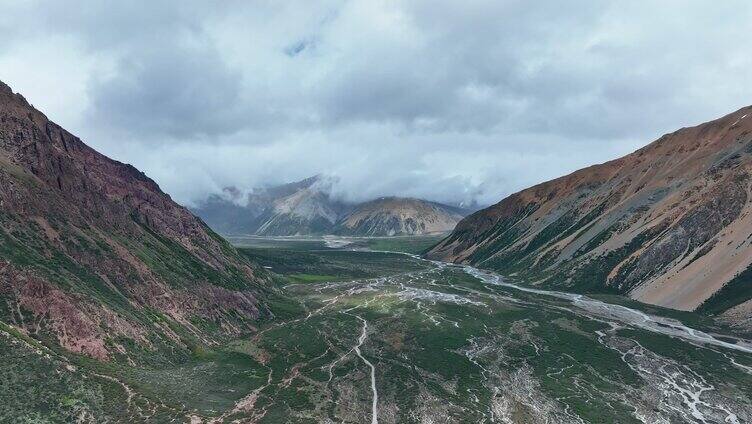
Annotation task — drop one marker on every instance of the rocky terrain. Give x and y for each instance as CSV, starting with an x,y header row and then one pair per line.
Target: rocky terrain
x,y
96,259
669,225
306,208
390,216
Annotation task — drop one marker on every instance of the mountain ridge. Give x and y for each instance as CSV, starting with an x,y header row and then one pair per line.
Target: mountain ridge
x,y
95,258
395,215
638,225
306,208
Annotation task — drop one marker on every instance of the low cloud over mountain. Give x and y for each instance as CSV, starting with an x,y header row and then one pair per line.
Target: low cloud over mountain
x,y
445,101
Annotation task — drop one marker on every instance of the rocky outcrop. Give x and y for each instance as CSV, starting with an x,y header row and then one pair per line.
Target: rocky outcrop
x,y
93,253
668,224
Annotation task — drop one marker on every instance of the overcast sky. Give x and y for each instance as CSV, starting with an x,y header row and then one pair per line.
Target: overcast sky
x,y
446,100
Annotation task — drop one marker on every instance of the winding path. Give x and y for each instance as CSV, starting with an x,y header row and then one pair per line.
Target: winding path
x,y
361,339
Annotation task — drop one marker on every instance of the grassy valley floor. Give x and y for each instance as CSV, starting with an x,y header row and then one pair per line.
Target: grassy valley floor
x,y
362,336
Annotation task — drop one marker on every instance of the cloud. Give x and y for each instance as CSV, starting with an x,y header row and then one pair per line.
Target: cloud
x,y
437,99
178,91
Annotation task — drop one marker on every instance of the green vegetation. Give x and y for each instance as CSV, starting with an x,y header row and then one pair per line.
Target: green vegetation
x,y
334,265
735,292
452,358
413,244
313,278
287,243
38,387
445,347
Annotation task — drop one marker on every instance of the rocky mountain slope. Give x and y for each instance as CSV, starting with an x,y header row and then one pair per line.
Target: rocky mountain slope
x,y
96,259
299,208
399,216
669,224
306,208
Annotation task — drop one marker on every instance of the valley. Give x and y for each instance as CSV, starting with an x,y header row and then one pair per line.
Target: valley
x,y
444,343
363,336
119,305
378,212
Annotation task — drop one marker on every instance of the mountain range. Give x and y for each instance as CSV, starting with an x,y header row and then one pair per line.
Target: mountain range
x,y
95,258
306,208
669,224
119,305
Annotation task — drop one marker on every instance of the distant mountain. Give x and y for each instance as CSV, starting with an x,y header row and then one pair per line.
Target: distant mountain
x,y
306,211
96,259
669,224
391,216
306,208
300,208
224,215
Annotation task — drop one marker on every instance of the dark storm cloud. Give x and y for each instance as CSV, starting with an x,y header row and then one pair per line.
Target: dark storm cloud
x,y
440,99
176,91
